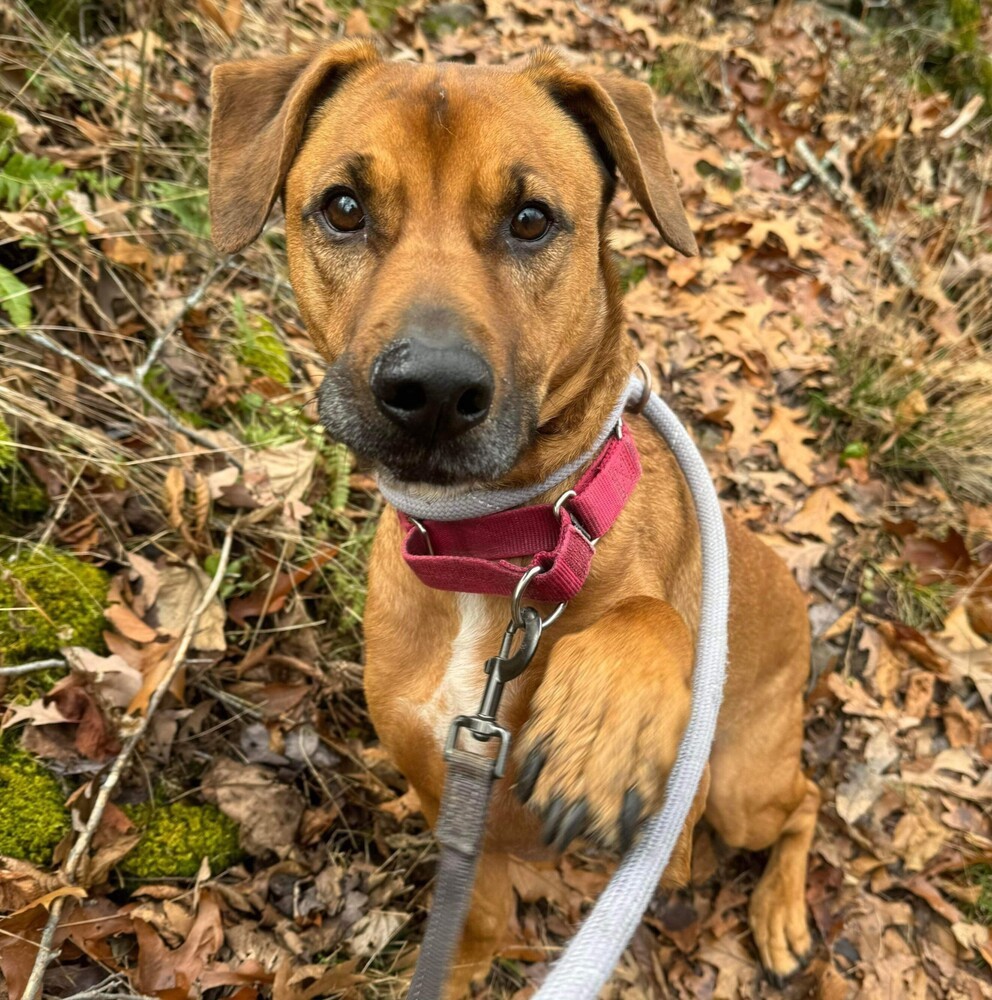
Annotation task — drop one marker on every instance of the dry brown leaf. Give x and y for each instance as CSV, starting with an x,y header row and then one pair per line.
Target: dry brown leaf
x,y
918,836
229,19
267,810
969,655
129,624
181,589
374,931
789,435
162,968
819,510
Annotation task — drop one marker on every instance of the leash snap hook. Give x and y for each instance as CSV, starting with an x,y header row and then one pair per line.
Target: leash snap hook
x,y
500,670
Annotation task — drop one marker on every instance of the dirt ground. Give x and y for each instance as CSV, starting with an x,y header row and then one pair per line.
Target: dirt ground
x,y
829,348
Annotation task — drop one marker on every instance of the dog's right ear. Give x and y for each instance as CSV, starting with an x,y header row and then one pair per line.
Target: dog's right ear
x,y
259,111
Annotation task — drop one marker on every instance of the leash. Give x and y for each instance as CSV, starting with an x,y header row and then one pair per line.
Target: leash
x,y
597,947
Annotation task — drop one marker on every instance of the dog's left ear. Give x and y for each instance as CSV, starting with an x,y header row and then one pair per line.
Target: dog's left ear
x,y
620,112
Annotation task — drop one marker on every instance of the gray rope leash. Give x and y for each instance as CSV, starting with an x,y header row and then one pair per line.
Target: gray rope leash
x,y
589,960
594,952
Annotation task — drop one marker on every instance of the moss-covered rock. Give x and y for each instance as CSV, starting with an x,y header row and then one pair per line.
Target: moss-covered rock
x,y
177,837
33,817
49,599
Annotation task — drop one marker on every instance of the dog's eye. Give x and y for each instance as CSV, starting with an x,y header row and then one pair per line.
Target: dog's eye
x,y
530,223
343,212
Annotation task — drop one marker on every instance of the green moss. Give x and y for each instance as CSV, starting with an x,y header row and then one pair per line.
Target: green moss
x,y
632,272
380,12
447,17
22,498
981,909
8,453
681,72
33,817
158,385
258,347
177,837
49,599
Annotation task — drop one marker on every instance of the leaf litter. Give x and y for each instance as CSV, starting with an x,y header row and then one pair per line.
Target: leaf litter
x,y
155,391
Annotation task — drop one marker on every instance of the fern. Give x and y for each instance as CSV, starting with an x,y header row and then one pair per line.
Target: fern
x,y
15,299
187,205
25,178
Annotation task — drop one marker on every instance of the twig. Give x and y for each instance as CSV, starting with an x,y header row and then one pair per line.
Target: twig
x,y
121,381
881,242
190,302
32,991
28,668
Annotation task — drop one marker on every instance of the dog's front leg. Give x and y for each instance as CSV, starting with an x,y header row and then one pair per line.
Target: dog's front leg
x,y
486,926
605,726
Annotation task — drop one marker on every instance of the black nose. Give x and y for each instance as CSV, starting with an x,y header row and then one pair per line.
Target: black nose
x,y
434,391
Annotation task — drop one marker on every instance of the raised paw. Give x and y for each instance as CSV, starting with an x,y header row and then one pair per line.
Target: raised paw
x,y
605,725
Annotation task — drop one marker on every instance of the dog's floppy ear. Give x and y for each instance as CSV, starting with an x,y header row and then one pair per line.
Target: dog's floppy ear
x,y
620,112
259,111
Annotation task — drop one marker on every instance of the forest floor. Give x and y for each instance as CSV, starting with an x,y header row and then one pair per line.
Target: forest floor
x,y
830,348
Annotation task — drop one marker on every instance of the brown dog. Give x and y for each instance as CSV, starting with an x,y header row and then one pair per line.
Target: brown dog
x,y
447,236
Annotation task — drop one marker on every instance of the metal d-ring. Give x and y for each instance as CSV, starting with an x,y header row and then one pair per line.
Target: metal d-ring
x,y
561,501
518,592
423,531
639,405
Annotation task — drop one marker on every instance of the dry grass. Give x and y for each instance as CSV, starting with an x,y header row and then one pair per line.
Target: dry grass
x,y
917,407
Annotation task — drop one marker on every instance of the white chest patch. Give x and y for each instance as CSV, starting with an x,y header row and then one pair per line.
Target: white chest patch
x,y
460,689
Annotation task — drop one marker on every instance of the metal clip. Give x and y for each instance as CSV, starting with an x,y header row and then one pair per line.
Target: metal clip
x,y
423,531
640,404
500,669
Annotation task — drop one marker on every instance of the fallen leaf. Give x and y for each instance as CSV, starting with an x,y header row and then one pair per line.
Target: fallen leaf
x,y
374,931
181,589
789,435
267,810
819,510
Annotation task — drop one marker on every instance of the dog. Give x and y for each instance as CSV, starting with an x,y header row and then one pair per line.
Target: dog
x,y
447,235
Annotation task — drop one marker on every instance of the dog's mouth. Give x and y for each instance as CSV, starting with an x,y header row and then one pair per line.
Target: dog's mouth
x,y
482,454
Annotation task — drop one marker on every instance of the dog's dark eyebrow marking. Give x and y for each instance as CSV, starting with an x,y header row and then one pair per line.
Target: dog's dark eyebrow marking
x,y
354,171
528,185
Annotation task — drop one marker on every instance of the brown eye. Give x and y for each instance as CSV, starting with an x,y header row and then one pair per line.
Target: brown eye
x,y
530,223
344,212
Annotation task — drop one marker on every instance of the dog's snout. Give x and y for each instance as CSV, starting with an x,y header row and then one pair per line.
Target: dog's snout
x,y
436,391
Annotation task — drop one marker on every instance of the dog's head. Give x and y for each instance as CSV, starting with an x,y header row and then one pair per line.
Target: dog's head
x,y
445,231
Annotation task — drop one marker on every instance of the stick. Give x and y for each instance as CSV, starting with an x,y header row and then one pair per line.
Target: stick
x,y
190,302
71,868
881,242
121,381
27,668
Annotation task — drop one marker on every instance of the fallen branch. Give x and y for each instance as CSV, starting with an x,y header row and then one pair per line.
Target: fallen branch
x,y
879,240
70,869
29,668
190,302
126,382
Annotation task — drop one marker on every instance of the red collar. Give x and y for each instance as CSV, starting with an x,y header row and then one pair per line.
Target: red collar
x,y
471,556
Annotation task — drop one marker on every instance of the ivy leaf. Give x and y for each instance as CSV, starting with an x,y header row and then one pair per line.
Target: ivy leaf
x,y
15,299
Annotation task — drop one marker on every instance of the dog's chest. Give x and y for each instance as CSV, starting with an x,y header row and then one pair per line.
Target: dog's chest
x,y
459,690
